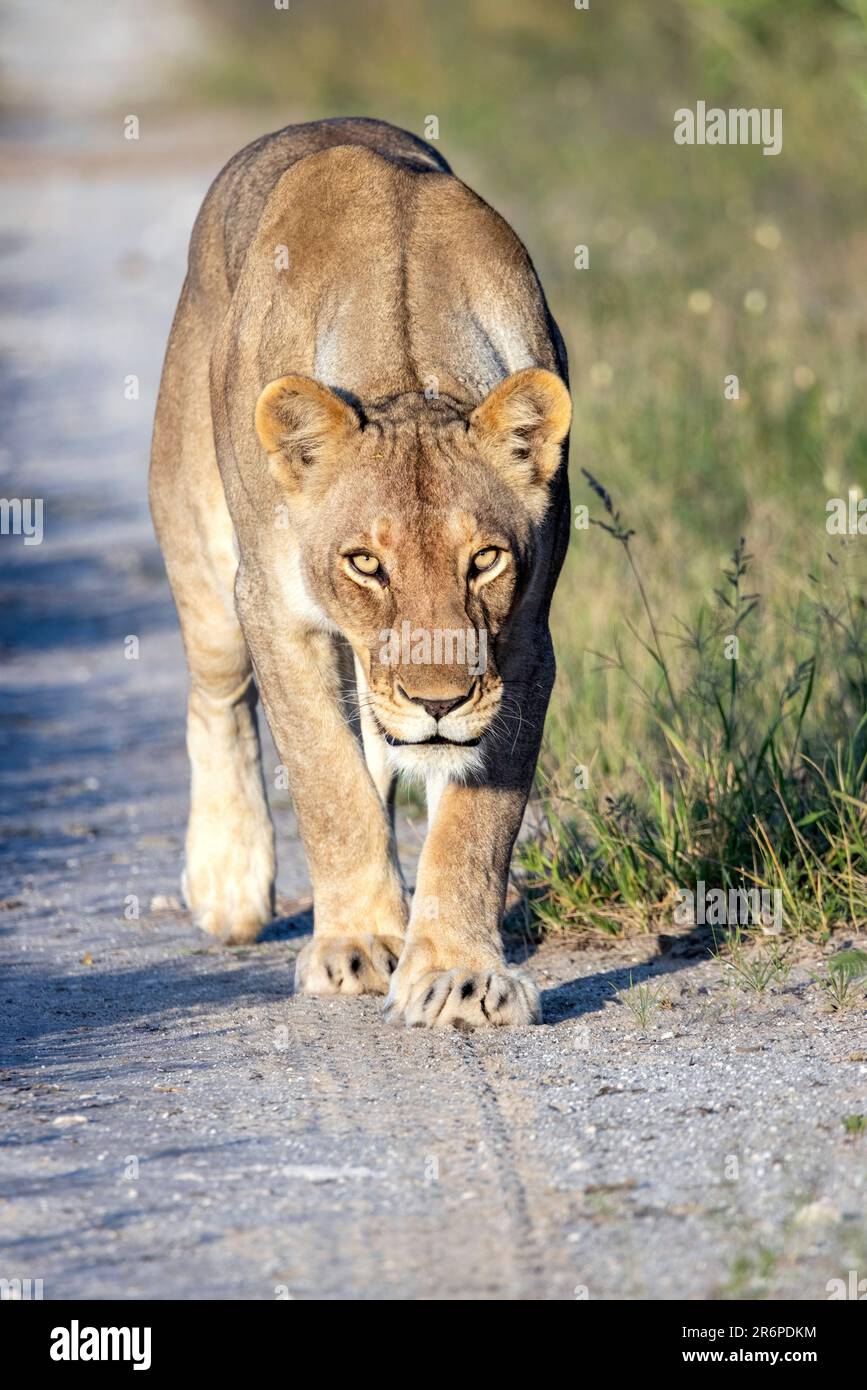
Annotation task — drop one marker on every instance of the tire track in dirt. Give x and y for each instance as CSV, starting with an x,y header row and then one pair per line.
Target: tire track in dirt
x,y
407,1129
526,1250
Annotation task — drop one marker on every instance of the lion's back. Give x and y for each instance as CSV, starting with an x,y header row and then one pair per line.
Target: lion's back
x,y
233,207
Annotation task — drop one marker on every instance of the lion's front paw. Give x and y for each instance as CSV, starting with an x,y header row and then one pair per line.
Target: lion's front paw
x,y
467,999
347,964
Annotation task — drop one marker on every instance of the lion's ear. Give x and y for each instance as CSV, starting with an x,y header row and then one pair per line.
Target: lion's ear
x,y
300,424
520,426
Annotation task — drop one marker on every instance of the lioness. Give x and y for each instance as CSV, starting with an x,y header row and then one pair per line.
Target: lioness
x,y
359,484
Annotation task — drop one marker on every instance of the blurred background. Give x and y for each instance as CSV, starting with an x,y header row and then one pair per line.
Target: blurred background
x,y
665,761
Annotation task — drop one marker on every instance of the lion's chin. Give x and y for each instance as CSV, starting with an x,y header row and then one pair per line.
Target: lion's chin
x,y
439,761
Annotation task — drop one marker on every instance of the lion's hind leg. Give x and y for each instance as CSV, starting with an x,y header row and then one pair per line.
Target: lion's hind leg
x,y
228,879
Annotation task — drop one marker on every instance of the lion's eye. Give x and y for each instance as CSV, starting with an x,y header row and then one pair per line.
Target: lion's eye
x,y
365,564
485,559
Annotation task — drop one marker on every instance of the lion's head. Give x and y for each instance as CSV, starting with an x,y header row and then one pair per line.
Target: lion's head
x,y
416,522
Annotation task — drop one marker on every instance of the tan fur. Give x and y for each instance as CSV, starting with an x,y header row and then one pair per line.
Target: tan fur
x,y
363,365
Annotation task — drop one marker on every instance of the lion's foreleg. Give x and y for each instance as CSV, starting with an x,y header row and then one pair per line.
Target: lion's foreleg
x,y
358,903
452,970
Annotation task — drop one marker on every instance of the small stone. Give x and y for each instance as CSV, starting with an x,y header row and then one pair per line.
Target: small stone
x,y
817,1214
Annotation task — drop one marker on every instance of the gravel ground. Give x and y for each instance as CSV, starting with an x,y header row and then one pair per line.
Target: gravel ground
x,y
172,1122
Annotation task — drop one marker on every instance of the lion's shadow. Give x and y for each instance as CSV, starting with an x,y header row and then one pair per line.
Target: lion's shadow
x,y
587,994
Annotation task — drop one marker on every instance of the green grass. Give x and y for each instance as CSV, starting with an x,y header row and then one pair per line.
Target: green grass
x,y
704,262
845,984
753,964
751,772
643,1001
751,1274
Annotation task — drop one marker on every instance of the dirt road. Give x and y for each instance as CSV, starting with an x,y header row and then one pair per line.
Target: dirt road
x,y
173,1122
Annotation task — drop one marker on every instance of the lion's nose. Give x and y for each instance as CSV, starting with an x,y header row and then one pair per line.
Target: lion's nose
x,y
437,708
